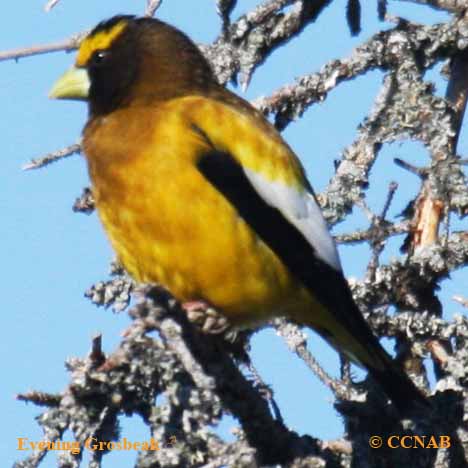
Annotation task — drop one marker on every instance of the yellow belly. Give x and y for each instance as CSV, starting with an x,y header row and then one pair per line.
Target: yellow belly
x,y
188,238
168,225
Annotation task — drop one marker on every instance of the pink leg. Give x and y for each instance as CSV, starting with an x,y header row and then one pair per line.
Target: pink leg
x,y
208,319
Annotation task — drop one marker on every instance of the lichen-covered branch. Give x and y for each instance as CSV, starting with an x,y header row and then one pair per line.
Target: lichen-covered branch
x,y
453,6
198,379
249,41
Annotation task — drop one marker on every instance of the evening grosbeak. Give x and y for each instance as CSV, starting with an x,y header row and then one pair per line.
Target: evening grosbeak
x,y
199,192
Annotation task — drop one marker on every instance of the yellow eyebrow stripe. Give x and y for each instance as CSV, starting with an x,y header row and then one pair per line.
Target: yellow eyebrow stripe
x,y
99,41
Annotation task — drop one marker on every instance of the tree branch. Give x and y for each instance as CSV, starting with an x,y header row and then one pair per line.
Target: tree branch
x,y
66,45
52,157
454,6
50,4
152,6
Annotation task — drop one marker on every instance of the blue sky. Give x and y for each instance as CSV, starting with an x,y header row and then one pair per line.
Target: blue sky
x,y
51,255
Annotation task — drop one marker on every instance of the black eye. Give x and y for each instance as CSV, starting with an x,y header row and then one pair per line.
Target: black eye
x,y
99,57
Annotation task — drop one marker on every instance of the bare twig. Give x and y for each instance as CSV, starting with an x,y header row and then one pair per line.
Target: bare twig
x,y
96,356
266,391
40,398
50,4
419,171
66,45
381,9
392,188
380,237
461,300
297,344
152,6
353,16
52,157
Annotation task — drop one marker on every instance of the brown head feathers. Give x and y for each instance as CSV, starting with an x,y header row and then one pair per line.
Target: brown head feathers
x,y
131,60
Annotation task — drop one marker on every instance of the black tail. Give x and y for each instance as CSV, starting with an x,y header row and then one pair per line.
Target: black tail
x,y
363,348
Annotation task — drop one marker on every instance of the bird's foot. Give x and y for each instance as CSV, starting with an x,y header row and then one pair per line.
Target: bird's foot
x,y
208,319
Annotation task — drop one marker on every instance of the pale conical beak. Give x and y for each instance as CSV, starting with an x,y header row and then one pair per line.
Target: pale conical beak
x,y
73,84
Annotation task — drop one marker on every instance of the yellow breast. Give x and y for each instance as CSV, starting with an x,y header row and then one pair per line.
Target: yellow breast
x,y
168,225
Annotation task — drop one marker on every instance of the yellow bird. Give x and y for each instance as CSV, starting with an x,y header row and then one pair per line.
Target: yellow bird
x,y
199,192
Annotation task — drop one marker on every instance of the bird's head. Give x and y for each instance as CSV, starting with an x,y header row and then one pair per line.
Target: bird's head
x,y
126,60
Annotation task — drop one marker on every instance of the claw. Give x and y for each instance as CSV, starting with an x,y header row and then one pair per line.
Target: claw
x,y
208,319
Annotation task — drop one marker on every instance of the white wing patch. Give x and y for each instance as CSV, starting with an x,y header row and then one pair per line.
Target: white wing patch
x,y
302,211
